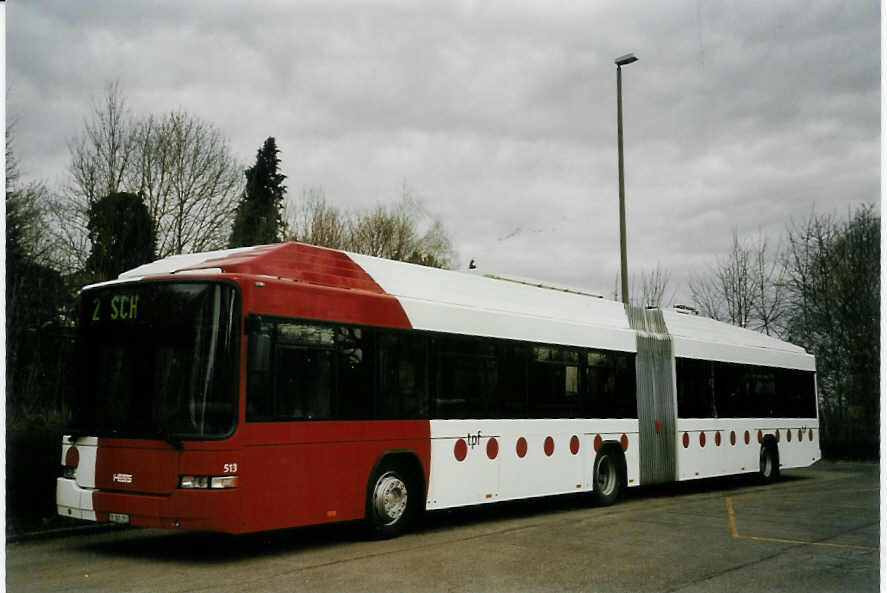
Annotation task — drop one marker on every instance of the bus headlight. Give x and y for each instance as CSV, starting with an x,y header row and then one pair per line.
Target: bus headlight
x,y
224,482
202,482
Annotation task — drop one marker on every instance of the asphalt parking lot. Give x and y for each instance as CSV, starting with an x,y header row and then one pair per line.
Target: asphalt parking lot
x,y
817,529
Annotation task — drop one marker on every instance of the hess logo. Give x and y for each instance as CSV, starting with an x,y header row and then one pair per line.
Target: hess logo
x,y
122,478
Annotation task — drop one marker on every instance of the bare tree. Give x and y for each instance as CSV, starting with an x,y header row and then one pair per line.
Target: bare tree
x,y
35,294
384,232
12,169
181,166
770,300
100,159
27,207
404,231
102,155
651,288
707,295
434,247
312,220
734,276
833,280
744,288
394,232
190,181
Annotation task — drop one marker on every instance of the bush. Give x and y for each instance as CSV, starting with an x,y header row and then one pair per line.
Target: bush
x,y
37,411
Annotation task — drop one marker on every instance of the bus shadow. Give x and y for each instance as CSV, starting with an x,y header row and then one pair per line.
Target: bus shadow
x,y
208,548
720,485
725,485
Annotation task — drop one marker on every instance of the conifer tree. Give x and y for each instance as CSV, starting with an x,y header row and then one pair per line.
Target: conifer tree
x,y
122,235
258,218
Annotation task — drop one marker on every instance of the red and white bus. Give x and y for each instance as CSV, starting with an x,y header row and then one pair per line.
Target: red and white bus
x,y
282,385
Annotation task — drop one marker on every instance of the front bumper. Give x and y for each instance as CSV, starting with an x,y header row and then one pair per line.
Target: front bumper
x,y
73,501
211,510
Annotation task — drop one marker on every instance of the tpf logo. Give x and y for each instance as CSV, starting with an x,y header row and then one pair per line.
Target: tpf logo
x,y
122,478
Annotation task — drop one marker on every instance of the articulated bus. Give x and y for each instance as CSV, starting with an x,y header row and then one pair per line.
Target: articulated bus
x,y
283,385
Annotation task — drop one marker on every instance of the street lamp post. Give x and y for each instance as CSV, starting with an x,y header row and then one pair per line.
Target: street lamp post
x,y
620,62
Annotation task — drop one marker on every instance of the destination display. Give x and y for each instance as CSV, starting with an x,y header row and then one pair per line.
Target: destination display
x,y
115,307
166,304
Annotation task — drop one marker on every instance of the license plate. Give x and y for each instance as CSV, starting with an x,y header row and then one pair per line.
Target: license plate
x,y
118,518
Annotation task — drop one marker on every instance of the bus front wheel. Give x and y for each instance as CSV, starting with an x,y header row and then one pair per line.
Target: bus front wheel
x,y
390,502
607,477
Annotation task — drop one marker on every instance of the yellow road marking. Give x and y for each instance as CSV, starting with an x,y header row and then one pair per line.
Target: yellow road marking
x,y
802,542
821,505
734,531
800,494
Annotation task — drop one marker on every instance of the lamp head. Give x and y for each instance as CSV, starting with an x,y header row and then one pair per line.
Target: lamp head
x,y
626,59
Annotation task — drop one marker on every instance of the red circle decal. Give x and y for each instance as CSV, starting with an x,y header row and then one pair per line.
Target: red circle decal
x,y
623,440
732,437
574,444
521,447
760,436
718,439
800,435
597,442
460,450
747,437
492,448
549,446
702,439
72,457
686,440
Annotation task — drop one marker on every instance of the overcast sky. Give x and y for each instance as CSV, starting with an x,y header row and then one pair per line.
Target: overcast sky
x,y
499,116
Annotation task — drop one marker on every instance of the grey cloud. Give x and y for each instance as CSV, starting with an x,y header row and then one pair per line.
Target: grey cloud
x,y
737,115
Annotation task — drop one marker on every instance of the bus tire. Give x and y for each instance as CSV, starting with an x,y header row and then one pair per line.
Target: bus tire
x,y
607,484
769,466
391,501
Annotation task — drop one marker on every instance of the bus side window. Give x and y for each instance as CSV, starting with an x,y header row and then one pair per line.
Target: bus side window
x,y
259,389
304,383
796,393
611,389
554,382
695,383
626,384
354,373
510,398
467,377
761,389
402,389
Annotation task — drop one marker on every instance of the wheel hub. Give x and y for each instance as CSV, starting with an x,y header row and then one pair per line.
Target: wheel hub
x,y
390,498
606,476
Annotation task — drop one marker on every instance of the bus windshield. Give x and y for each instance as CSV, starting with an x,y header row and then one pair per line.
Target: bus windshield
x,y
159,360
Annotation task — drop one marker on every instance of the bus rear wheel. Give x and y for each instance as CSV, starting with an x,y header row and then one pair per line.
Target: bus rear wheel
x,y
390,502
607,477
769,468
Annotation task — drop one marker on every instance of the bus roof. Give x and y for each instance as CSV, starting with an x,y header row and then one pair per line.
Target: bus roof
x,y
472,304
